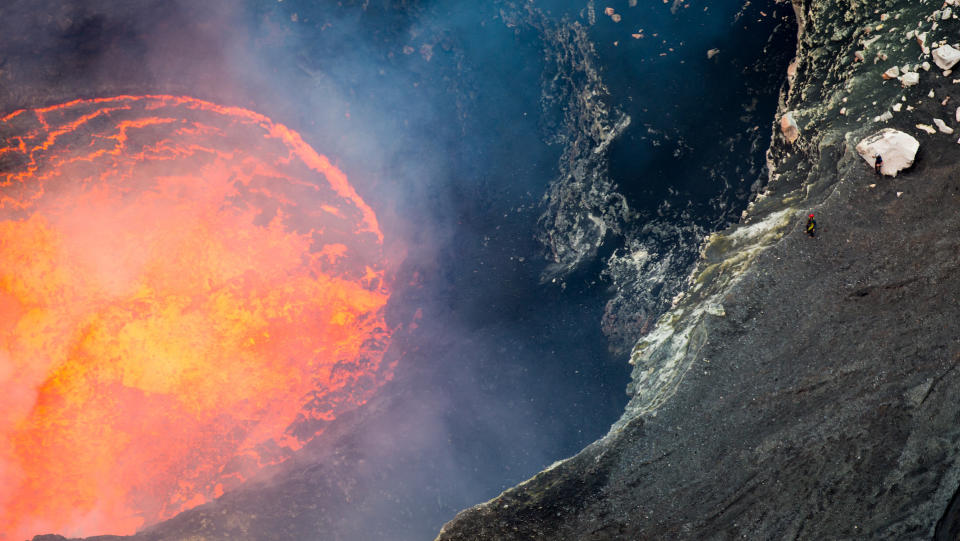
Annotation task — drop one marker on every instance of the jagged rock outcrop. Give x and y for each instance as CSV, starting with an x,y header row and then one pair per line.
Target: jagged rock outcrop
x,y
803,388
583,205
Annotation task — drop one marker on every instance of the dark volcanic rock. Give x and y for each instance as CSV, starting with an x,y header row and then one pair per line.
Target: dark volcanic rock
x,y
829,411
805,387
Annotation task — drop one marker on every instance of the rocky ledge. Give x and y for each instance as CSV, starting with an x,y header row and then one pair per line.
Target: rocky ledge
x,y
804,387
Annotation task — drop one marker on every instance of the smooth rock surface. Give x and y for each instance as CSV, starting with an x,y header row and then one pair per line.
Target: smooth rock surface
x,y
897,149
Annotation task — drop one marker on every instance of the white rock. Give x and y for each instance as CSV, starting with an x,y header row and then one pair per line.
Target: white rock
x,y
947,12
898,150
910,79
897,106
887,115
789,127
931,94
946,56
925,66
927,128
942,126
957,114
891,73
946,73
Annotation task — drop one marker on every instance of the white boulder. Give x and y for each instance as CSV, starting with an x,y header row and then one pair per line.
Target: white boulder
x,y
946,56
897,149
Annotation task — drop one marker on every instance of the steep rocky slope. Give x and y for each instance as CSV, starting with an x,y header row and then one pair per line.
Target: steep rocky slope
x,y
804,387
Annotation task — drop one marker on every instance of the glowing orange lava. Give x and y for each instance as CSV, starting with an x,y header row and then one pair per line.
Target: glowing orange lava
x,y
187,292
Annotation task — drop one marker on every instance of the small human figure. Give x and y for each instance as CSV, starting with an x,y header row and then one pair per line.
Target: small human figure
x,y
811,226
878,164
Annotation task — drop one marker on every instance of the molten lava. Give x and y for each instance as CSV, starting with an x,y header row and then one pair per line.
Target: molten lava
x,y
187,292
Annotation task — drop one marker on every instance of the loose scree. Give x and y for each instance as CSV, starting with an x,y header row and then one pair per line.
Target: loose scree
x,y
188,292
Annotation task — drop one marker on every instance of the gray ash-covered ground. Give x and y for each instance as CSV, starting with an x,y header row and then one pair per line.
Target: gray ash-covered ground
x,y
805,387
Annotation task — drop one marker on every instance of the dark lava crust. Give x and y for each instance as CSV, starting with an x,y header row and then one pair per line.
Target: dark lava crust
x,y
821,401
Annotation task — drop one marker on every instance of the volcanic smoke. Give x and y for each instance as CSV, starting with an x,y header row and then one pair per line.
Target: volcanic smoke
x,y
188,292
